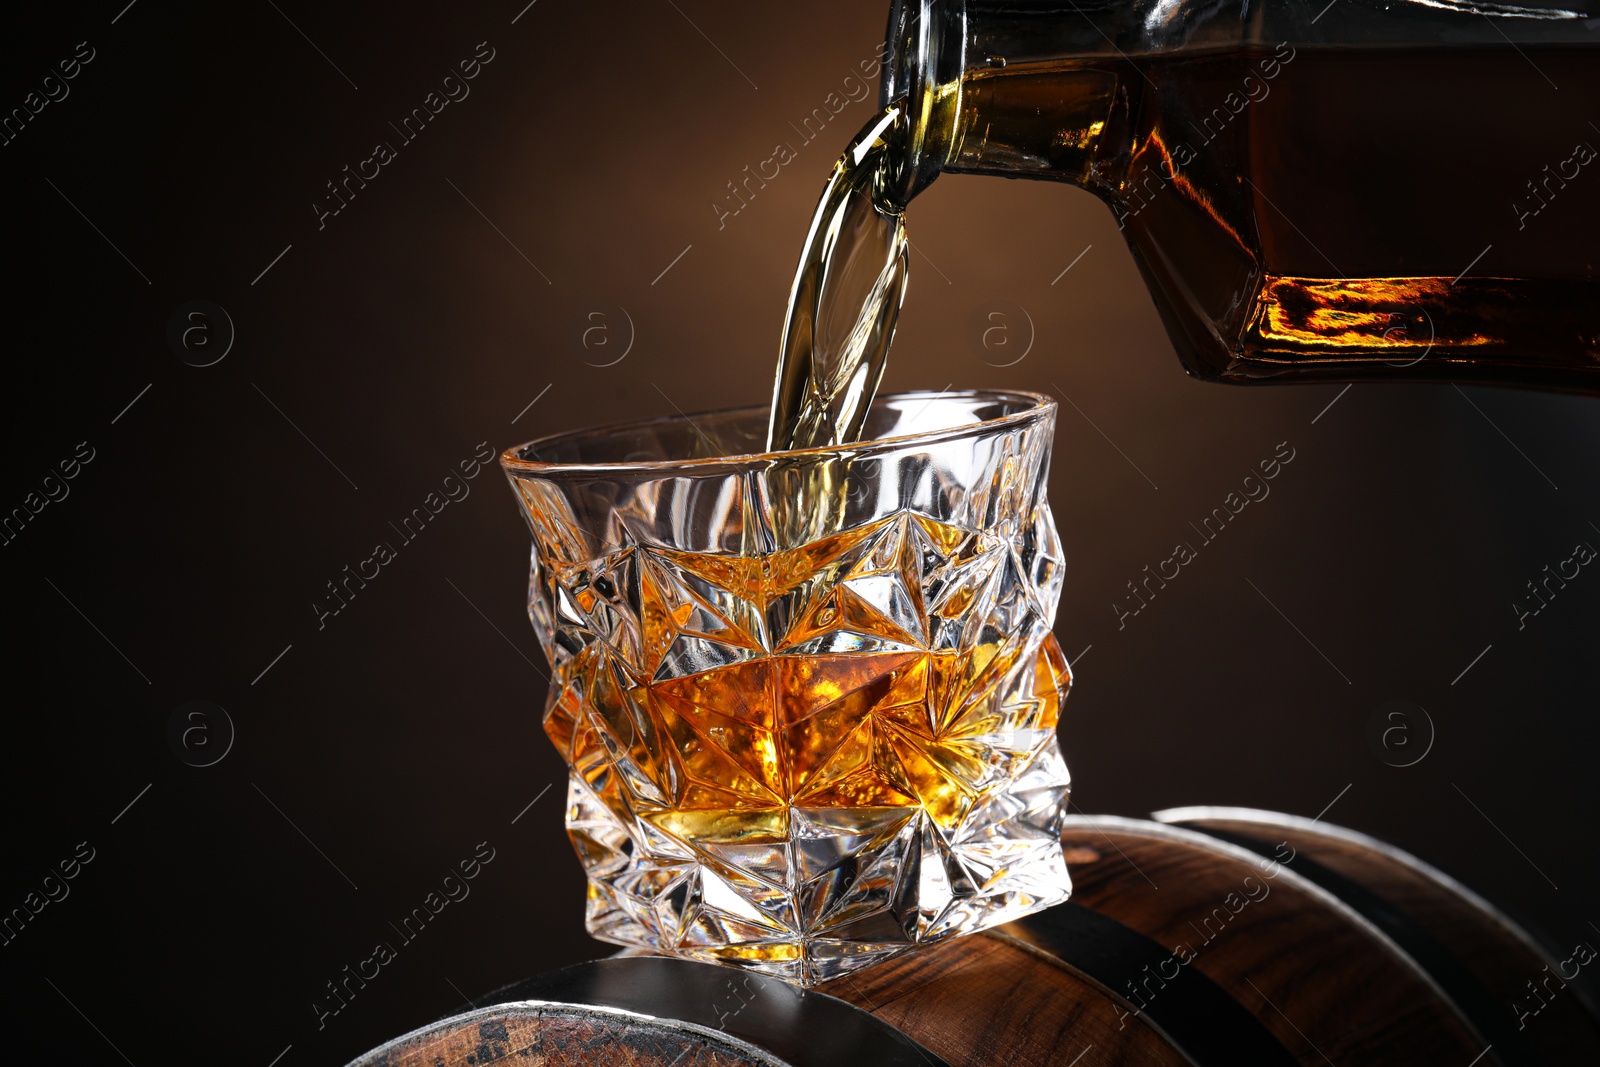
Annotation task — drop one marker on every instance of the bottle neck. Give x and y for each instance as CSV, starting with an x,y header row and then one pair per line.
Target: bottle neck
x,y
1005,89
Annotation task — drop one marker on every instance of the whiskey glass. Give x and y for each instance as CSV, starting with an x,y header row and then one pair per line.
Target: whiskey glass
x,y
808,699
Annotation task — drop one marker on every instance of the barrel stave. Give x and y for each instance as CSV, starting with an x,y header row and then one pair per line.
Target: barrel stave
x,y
1497,953
984,1000
1342,993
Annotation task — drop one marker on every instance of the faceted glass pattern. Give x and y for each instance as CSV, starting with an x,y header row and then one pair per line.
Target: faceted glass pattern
x,y
808,699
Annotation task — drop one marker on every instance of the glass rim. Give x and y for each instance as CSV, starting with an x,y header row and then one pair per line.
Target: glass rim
x,y
1039,406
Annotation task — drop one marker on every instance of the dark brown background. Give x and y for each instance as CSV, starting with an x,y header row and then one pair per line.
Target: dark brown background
x,y
377,752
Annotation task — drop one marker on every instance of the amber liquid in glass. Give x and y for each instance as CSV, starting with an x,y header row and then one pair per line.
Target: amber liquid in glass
x,y
730,757
1334,213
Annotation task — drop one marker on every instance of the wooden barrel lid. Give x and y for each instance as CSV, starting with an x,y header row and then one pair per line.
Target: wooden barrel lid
x,y
646,1010
555,1035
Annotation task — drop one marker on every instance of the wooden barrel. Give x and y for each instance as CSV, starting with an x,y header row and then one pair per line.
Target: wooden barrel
x,y
1210,936
1505,981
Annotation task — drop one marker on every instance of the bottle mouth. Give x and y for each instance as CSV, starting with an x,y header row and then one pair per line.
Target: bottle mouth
x,y
922,66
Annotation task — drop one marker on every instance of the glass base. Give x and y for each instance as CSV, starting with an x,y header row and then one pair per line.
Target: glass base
x,y
841,890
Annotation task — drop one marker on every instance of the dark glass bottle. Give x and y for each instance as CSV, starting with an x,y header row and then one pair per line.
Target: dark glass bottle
x,y
1365,190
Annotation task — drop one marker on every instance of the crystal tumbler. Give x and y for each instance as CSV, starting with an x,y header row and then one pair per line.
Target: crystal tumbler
x,y
807,699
